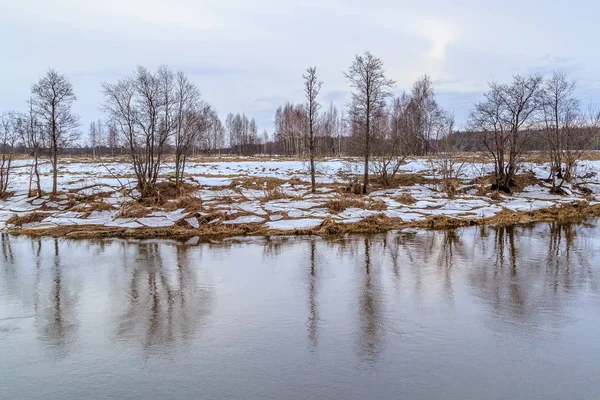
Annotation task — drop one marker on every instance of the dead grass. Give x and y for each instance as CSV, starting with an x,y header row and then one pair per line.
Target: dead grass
x,y
405,198
573,212
525,179
27,219
259,183
341,203
276,194
134,209
190,203
167,190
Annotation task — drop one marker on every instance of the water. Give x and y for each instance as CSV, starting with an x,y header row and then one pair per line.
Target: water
x,y
495,313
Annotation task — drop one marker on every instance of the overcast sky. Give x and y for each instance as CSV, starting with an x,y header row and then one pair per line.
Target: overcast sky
x,y
249,56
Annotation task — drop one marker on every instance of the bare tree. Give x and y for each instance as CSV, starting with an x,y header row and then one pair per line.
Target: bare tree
x,y
53,98
112,138
193,120
371,90
137,106
561,112
312,86
9,132
427,119
93,133
32,137
506,116
393,142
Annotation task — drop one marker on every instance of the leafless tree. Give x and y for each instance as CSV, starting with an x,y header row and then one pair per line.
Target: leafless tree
x,y
243,133
289,129
312,86
216,134
137,107
193,120
448,162
112,138
568,131
427,119
32,137
53,98
393,142
506,116
9,133
371,90
93,133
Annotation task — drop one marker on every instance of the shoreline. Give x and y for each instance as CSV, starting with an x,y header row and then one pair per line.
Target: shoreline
x,y
252,198
575,212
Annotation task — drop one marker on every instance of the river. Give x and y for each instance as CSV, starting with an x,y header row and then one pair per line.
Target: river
x,y
478,313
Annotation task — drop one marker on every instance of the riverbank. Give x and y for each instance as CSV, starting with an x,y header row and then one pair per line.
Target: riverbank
x,y
273,197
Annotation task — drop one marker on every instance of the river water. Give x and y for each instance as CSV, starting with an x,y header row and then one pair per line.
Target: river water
x,y
480,313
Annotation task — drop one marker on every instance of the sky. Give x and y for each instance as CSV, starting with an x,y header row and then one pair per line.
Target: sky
x,y
249,56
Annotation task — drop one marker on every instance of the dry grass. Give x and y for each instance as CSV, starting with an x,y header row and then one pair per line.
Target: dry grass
x,y
259,183
190,203
276,194
167,190
405,198
133,210
525,179
574,212
27,219
341,203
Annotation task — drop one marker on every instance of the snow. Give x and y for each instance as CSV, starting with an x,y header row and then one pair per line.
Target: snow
x,y
247,219
155,222
300,210
292,224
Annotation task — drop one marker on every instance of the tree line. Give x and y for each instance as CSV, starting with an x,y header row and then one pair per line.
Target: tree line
x,y
152,115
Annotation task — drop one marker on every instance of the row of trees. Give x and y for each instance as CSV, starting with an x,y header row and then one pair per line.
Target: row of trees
x,y
154,113
511,114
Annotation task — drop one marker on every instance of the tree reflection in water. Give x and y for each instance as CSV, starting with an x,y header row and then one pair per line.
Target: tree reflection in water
x,y
313,318
165,302
370,306
159,297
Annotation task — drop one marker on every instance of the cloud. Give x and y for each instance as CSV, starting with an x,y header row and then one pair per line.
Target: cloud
x,y
250,56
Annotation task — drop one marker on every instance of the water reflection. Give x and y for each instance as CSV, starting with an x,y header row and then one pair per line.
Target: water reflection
x,y
164,303
370,305
154,296
313,318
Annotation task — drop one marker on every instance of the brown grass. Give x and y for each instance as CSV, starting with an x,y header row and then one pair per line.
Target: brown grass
x,y
525,179
276,194
341,203
27,219
167,190
259,183
574,212
189,203
405,198
134,210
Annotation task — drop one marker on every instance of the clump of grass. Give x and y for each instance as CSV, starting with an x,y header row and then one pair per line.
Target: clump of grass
x,y
523,180
27,219
341,203
405,198
445,222
276,194
189,203
167,190
259,182
133,210
495,196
